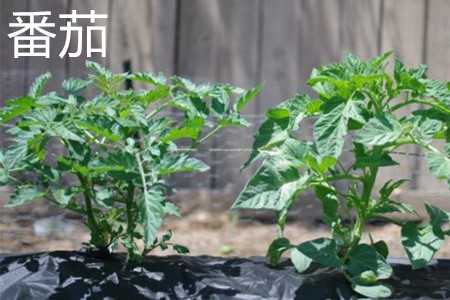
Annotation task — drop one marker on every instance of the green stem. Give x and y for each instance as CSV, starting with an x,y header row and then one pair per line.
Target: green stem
x,y
368,185
90,211
157,110
405,103
208,136
130,220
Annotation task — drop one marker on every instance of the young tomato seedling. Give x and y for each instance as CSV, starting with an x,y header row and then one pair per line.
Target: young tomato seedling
x,y
118,149
359,102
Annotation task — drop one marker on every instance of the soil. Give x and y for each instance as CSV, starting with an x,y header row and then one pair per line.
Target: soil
x,y
204,233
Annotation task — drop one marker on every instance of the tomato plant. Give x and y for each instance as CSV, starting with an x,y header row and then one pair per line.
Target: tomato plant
x,y
360,103
119,149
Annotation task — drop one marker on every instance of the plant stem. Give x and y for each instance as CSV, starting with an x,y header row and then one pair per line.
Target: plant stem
x,y
368,183
157,110
90,211
130,219
208,136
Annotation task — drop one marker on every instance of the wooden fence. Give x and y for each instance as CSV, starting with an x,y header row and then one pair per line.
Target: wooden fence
x,y
246,42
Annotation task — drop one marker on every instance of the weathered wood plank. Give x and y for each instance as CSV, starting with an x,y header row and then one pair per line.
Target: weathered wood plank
x,y
359,27
280,68
437,47
54,64
12,70
162,21
319,41
76,65
130,35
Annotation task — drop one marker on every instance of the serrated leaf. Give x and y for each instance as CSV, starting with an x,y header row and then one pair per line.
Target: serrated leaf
x,y
154,79
171,209
274,184
62,196
39,84
437,216
181,163
248,96
380,130
330,128
375,160
438,165
23,195
323,251
271,132
74,85
151,212
421,242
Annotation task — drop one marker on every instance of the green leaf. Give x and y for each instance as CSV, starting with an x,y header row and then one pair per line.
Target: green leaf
x,y
375,291
62,196
276,249
154,79
249,95
437,216
73,86
272,186
171,209
39,84
321,165
365,258
426,129
181,163
380,130
180,249
323,251
374,160
17,107
329,200
438,165
300,261
421,242
271,132
23,195
151,212
330,129
382,248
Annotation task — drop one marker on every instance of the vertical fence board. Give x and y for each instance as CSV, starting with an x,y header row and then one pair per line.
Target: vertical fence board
x,y
360,25
318,29
12,70
76,65
280,43
437,56
54,64
129,34
162,21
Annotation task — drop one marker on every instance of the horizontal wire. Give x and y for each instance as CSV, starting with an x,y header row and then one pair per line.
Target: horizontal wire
x,y
250,150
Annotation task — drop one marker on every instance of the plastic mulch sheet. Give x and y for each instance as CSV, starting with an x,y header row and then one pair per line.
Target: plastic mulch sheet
x,y
71,275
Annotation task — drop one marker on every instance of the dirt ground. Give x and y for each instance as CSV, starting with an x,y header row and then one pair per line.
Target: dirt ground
x,y
218,234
